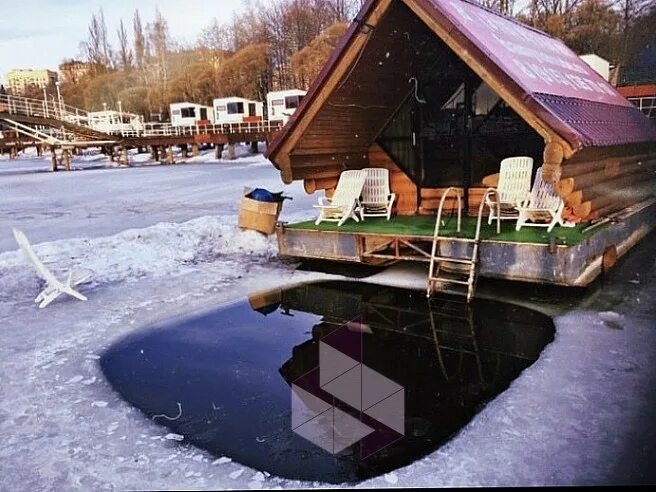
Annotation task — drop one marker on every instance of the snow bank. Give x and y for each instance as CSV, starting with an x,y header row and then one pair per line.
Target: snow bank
x,y
161,250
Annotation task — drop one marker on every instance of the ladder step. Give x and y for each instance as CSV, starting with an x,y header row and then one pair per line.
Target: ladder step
x,y
457,239
452,293
462,261
450,281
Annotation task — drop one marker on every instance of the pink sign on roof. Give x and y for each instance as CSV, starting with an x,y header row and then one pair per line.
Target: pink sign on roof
x,y
537,62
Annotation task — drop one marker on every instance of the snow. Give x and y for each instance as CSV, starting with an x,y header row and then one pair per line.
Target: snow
x,y
173,437
162,242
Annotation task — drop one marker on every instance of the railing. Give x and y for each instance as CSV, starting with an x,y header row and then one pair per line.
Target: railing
x,y
39,108
168,130
45,134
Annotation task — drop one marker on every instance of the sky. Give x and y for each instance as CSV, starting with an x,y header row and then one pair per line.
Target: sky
x,y
40,33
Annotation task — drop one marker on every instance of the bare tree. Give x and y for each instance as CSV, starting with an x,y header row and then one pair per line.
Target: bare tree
x,y
633,34
125,53
140,47
215,37
158,36
96,48
506,7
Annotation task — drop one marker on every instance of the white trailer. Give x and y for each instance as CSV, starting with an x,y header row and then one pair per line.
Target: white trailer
x,y
116,122
598,64
237,110
191,114
281,105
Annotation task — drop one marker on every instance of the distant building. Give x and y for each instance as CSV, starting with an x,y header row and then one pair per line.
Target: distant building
x,y
20,80
637,81
598,64
643,96
73,70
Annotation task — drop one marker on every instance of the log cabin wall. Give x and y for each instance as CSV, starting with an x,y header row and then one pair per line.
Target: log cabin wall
x,y
401,184
368,95
591,189
410,200
597,188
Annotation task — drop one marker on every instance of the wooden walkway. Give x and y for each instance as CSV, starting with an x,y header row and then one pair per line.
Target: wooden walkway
x,y
27,122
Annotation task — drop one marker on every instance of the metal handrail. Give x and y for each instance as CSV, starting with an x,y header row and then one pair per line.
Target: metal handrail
x,y
438,224
488,193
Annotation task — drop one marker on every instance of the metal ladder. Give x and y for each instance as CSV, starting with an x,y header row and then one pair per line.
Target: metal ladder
x,y
438,259
444,311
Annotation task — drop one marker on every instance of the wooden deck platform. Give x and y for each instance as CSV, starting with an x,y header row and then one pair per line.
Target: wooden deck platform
x,y
566,256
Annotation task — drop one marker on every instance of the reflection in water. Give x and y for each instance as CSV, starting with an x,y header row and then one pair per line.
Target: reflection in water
x,y
231,370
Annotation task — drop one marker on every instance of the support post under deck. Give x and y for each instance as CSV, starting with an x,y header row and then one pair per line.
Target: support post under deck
x,y
66,159
53,159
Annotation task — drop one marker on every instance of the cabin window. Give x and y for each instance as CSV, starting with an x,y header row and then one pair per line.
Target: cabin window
x,y
252,110
236,108
221,109
188,112
203,113
645,104
455,130
176,112
292,102
276,103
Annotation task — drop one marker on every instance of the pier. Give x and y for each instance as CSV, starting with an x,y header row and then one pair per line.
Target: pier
x,y
26,122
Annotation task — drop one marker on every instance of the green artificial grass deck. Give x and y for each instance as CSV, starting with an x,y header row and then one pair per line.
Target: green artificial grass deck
x,y
423,226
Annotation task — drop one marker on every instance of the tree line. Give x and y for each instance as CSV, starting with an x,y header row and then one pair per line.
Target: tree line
x,y
266,46
281,44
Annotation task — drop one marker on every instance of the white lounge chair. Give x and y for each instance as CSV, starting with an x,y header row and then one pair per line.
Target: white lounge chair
x,y
54,288
345,201
377,199
544,208
513,188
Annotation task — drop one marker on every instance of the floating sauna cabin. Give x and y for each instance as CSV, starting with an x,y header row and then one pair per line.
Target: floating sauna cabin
x,y
440,92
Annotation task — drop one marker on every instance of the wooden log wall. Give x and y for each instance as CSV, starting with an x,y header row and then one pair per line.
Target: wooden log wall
x,y
599,188
401,184
410,200
591,190
431,198
318,177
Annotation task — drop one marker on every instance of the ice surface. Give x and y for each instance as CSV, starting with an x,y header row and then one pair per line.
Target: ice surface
x,y
162,241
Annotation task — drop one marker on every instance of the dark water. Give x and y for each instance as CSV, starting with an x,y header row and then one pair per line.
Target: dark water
x,y
231,370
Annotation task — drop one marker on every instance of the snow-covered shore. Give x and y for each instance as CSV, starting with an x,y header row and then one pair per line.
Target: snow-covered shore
x,y
163,242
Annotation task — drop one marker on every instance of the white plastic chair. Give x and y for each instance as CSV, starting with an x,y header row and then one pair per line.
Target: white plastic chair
x,y
54,288
377,200
345,201
544,208
514,188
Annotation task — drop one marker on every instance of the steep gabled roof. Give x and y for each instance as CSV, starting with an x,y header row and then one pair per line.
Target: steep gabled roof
x,y
562,97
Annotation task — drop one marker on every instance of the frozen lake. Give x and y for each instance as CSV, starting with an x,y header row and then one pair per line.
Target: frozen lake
x,y
163,243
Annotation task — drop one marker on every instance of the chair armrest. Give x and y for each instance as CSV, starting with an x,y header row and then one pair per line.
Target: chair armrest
x,y
323,201
392,198
492,199
524,201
